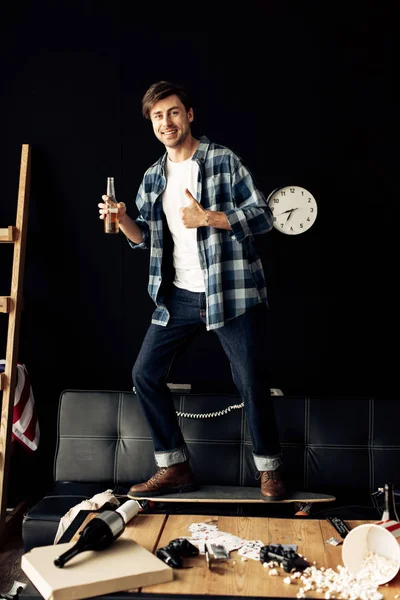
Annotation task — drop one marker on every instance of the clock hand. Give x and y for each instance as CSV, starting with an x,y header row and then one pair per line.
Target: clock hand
x,y
290,210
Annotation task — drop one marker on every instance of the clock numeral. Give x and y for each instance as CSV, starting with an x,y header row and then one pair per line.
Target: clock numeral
x,y
281,225
291,229
283,193
274,218
302,192
311,210
272,208
276,200
308,219
292,190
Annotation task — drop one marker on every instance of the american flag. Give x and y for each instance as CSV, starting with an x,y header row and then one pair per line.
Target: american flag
x,y
25,428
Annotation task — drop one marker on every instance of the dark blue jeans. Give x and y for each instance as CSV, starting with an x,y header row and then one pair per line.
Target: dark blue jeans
x,y
242,339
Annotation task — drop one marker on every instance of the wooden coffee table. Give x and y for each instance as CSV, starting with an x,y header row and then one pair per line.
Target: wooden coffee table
x,y
235,577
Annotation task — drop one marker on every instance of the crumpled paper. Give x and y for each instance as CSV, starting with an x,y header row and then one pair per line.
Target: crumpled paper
x,y
96,502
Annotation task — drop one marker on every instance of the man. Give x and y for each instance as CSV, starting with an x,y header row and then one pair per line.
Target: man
x,y
198,212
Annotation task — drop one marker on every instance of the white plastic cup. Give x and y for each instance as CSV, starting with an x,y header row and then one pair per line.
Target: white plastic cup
x,y
382,538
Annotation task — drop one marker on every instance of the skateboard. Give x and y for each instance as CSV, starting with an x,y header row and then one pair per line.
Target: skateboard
x,y
236,494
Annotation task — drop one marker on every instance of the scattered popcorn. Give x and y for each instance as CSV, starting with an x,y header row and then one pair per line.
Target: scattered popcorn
x,y
271,564
377,567
308,586
341,584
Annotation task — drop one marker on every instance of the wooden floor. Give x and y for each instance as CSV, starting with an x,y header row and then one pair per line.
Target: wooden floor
x,y
10,561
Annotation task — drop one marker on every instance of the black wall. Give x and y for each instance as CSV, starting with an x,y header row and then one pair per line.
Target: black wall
x,y
303,98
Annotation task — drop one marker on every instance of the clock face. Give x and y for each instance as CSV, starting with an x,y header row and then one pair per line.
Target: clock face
x,y
294,209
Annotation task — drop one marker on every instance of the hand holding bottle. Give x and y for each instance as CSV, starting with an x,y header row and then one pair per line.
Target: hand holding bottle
x,y
115,217
111,211
104,207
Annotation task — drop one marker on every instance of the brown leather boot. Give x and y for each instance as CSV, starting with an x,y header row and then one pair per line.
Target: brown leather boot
x,y
272,486
167,480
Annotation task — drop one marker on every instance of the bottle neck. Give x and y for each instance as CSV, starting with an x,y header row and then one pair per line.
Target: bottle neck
x,y
389,511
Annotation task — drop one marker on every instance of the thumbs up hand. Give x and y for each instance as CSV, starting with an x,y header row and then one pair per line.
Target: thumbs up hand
x,y
193,215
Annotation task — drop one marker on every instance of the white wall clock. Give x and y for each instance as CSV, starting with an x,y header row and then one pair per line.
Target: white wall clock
x,y
294,209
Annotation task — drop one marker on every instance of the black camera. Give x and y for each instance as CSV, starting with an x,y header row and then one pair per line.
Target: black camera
x,y
172,553
288,559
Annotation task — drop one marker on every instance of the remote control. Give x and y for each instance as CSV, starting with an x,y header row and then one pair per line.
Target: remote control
x,y
339,525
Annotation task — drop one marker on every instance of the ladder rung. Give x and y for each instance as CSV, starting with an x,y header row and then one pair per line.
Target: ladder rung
x,y
8,234
5,304
3,380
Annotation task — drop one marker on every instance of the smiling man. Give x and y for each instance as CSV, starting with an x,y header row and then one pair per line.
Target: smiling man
x,y
199,209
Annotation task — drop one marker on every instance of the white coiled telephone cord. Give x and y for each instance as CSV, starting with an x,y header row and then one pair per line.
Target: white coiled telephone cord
x,y
219,413
225,411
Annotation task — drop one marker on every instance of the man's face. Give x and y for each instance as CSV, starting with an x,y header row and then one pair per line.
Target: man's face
x,y
171,121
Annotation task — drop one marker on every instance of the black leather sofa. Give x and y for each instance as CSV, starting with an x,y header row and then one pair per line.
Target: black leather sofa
x,y
348,447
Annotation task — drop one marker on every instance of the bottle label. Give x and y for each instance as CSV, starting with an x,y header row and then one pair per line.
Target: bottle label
x,y
113,210
114,520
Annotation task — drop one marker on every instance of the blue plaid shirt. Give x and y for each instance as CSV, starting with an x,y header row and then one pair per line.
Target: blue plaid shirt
x,y
233,273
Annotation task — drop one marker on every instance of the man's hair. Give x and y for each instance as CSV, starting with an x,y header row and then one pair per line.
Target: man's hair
x,y
162,89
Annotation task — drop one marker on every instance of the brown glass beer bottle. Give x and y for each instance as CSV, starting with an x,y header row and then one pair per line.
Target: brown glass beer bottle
x,y
111,222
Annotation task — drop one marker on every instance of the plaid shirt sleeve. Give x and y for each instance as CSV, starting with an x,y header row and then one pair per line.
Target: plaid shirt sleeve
x,y
252,215
141,222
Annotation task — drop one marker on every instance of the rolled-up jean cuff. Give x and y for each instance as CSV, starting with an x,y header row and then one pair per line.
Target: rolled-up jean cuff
x,y
267,463
171,457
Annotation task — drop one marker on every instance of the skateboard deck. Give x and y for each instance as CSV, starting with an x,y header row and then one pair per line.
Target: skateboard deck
x,y
235,494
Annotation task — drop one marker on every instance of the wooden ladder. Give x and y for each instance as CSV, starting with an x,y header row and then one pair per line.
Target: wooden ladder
x,y
12,305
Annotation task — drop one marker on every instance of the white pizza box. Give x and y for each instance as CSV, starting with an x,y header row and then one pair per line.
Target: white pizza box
x,y
122,566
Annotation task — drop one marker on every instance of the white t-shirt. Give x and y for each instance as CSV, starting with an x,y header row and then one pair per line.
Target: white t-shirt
x,y
182,175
